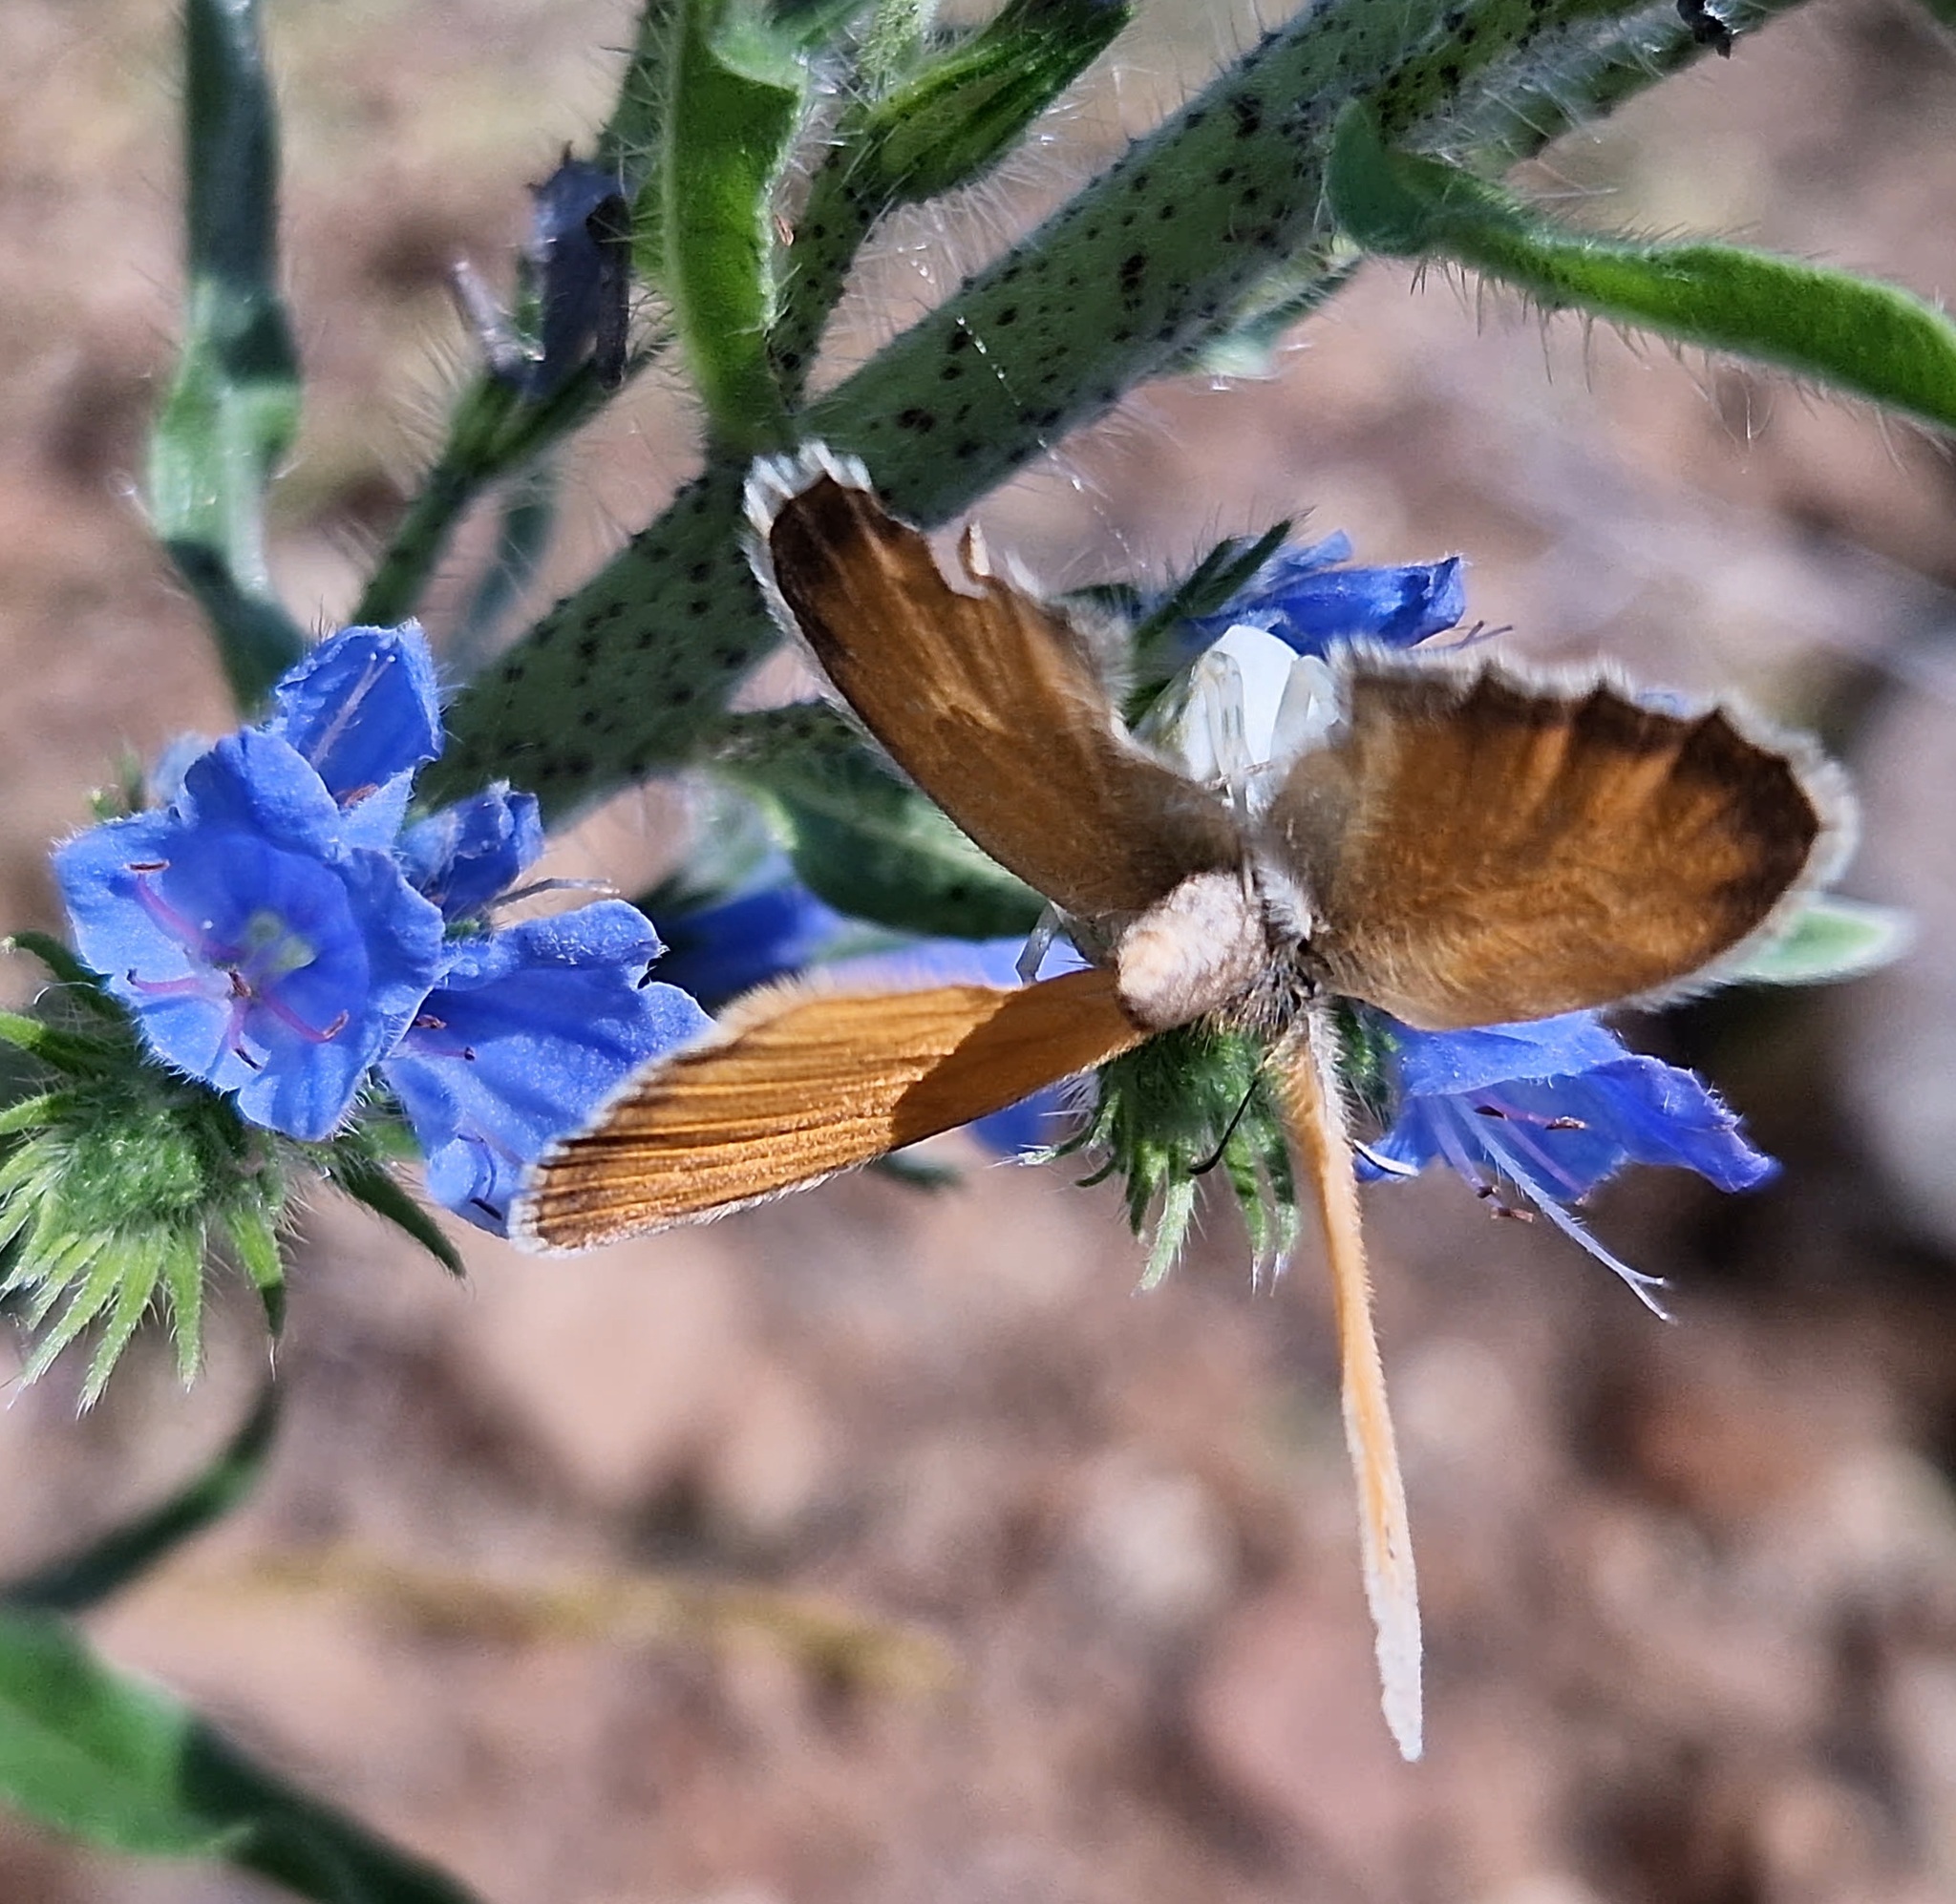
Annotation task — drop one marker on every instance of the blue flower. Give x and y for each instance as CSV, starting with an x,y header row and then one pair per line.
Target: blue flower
x,y
279,934
719,951
1555,1108
530,1029
1303,597
259,949
532,1026
362,709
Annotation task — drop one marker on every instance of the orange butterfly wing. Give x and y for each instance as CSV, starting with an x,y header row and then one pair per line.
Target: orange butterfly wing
x,y
1475,849
798,1082
980,695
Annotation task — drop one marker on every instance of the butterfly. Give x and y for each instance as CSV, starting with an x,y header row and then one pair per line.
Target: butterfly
x,y
1457,846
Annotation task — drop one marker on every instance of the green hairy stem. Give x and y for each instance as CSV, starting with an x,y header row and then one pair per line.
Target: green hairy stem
x,y
1159,254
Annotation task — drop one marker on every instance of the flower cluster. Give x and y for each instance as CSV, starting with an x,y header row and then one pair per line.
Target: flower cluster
x,y
284,932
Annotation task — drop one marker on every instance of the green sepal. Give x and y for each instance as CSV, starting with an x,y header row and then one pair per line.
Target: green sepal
x,y
1171,1111
735,102
118,1763
813,25
113,1190
253,1234
917,133
126,1553
356,1167
631,139
78,1053
1828,939
1873,339
86,984
1157,650
863,840
232,410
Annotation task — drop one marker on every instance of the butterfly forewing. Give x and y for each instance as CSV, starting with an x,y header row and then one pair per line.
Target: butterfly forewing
x,y
984,699
799,1082
1475,849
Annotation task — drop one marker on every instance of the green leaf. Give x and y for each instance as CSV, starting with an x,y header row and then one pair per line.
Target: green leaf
x,y
734,103
121,1765
955,119
254,1236
1873,339
865,841
1830,938
91,1753
233,405
127,1553
67,968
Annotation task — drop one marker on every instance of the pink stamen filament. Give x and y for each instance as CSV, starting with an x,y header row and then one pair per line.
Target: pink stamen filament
x,y
1516,1134
1642,1286
246,993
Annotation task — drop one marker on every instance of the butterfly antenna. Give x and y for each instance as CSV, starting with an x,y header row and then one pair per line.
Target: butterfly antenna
x,y
1309,1087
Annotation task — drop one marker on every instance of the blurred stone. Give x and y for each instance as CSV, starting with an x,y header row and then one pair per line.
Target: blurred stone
x,y
1156,1548
1285,1714
620,1364
1898,1047
771,1462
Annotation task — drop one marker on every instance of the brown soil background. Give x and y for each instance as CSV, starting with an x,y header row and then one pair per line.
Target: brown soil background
x,y
876,1546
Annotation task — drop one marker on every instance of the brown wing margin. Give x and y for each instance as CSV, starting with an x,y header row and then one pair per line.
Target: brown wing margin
x,y
1481,849
981,697
799,1082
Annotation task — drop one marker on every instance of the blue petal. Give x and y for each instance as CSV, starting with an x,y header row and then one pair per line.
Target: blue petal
x,y
529,1033
1306,602
1661,1114
305,1089
362,709
466,855
1560,1100
723,951
1436,1064
256,782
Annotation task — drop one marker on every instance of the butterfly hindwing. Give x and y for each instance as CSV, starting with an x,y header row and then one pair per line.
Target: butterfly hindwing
x,y
1476,850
